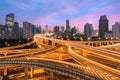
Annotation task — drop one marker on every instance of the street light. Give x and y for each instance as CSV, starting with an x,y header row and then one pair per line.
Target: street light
x,y
81,39
89,38
106,38
99,38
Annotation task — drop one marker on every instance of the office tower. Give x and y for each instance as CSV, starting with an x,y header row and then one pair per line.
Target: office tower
x,y
15,29
62,29
10,21
39,30
103,26
21,32
88,29
27,30
116,30
73,31
56,30
67,26
108,35
3,32
46,29
34,29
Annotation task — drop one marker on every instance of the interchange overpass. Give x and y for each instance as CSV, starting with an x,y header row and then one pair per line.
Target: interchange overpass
x,y
97,71
18,46
110,55
54,65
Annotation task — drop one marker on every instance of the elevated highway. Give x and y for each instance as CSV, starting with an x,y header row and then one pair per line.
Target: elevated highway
x,y
103,71
18,51
54,65
18,46
29,54
88,73
100,70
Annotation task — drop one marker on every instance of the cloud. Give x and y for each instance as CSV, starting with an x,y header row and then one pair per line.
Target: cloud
x,y
54,12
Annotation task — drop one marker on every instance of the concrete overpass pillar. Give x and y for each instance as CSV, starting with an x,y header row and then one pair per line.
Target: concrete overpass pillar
x,y
51,75
91,44
31,72
5,67
107,43
84,53
5,70
88,43
26,73
100,44
53,44
46,41
118,67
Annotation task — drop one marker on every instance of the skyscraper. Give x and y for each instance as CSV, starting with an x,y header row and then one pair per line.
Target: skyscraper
x,y
34,29
103,26
39,30
10,21
73,31
27,30
15,29
88,29
46,29
62,29
56,30
67,26
116,30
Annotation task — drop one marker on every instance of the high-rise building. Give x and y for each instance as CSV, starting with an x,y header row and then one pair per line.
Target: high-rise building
x,y
103,26
21,32
46,29
39,30
62,29
67,26
15,29
27,30
56,30
88,29
73,31
34,29
116,30
10,21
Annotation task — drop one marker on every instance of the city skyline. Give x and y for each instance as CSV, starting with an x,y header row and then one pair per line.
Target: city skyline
x,y
44,12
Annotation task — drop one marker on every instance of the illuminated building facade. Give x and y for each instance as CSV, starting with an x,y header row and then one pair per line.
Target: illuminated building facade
x,y
103,26
116,30
27,30
10,21
88,29
67,26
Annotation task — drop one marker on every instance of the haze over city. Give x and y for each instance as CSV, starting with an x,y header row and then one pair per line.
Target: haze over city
x,y
52,12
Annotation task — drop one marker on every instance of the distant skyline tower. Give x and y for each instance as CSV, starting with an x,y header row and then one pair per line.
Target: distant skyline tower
x,y
10,21
67,26
56,30
103,26
116,30
88,29
16,29
39,29
62,29
27,30
46,29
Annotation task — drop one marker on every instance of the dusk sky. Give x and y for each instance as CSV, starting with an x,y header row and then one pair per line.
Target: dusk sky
x,y
55,12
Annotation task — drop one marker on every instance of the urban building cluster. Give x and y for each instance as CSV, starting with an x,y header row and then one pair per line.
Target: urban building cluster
x,y
102,33
12,30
